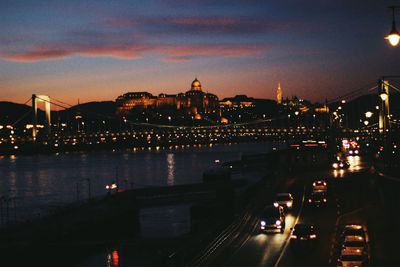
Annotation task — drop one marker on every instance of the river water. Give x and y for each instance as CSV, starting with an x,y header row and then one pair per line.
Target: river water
x,y
37,184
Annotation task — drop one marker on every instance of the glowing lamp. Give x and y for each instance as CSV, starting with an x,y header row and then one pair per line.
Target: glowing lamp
x,y
393,36
383,96
368,114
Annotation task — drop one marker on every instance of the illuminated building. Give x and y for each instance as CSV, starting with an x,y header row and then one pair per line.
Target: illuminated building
x,y
239,101
193,102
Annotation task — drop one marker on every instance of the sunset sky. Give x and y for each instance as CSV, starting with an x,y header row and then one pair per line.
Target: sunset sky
x,y
97,50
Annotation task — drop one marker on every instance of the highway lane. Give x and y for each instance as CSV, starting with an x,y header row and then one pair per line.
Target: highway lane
x,y
349,192
261,249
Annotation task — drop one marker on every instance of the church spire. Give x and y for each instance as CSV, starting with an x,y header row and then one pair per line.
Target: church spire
x,y
279,94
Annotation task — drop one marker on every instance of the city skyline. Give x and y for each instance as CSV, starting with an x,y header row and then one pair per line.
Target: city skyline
x,y
97,50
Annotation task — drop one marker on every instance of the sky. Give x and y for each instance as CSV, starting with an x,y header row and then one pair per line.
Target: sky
x,y
79,50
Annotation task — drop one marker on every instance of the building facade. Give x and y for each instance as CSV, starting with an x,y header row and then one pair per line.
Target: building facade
x,y
194,101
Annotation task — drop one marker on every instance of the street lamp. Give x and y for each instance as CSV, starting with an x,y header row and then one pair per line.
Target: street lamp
x,y
383,95
393,36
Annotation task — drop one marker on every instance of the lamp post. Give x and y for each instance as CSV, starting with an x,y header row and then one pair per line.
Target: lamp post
x,y
393,36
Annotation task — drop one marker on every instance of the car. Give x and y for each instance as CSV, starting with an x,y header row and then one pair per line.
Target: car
x,y
354,242
318,199
272,218
319,185
352,251
341,164
354,151
303,233
352,260
284,199
354,230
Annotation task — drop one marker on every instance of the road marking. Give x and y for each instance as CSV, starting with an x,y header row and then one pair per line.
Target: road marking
x,y
295,222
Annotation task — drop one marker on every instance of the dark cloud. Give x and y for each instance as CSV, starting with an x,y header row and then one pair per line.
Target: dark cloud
x,y
204,25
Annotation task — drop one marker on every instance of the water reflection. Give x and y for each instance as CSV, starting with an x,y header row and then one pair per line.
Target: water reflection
x,y
37,180
171,169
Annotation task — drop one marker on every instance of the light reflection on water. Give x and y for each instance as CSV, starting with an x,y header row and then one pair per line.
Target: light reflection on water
x,y
171,168
38,180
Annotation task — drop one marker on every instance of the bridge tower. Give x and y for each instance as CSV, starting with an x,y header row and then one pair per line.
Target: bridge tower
x,y
46,100
384,124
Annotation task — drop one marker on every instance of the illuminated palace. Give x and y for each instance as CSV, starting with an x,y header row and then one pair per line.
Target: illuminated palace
x,y
193,102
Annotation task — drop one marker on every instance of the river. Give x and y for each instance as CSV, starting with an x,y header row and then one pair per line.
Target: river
x,y
37,184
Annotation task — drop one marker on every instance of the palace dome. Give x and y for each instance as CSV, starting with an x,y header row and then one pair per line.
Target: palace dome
x,y
196,85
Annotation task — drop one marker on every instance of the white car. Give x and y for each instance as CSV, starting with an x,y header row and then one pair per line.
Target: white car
x,y
354,230
354,242
284,199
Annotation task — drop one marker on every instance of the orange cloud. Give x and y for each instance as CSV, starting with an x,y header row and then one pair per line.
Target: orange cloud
x,y
173,53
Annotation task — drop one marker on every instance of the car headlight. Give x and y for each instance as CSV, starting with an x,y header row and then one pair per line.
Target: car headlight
x,y
276,204
278,222
289,204
263,223
341,164
335,165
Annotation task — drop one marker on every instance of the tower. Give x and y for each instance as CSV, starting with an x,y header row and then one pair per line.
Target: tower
x,y
279,94
46,100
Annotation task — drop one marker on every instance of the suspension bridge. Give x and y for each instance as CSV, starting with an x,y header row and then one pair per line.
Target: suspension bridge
x,y
85,129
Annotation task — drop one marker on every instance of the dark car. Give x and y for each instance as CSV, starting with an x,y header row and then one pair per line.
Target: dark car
x,y
272,218
285,200
318,199
303,233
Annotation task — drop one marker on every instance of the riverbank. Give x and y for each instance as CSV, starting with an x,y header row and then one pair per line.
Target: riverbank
x,y
110,222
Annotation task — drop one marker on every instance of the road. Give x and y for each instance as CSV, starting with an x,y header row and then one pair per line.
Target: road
x,y
352,198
